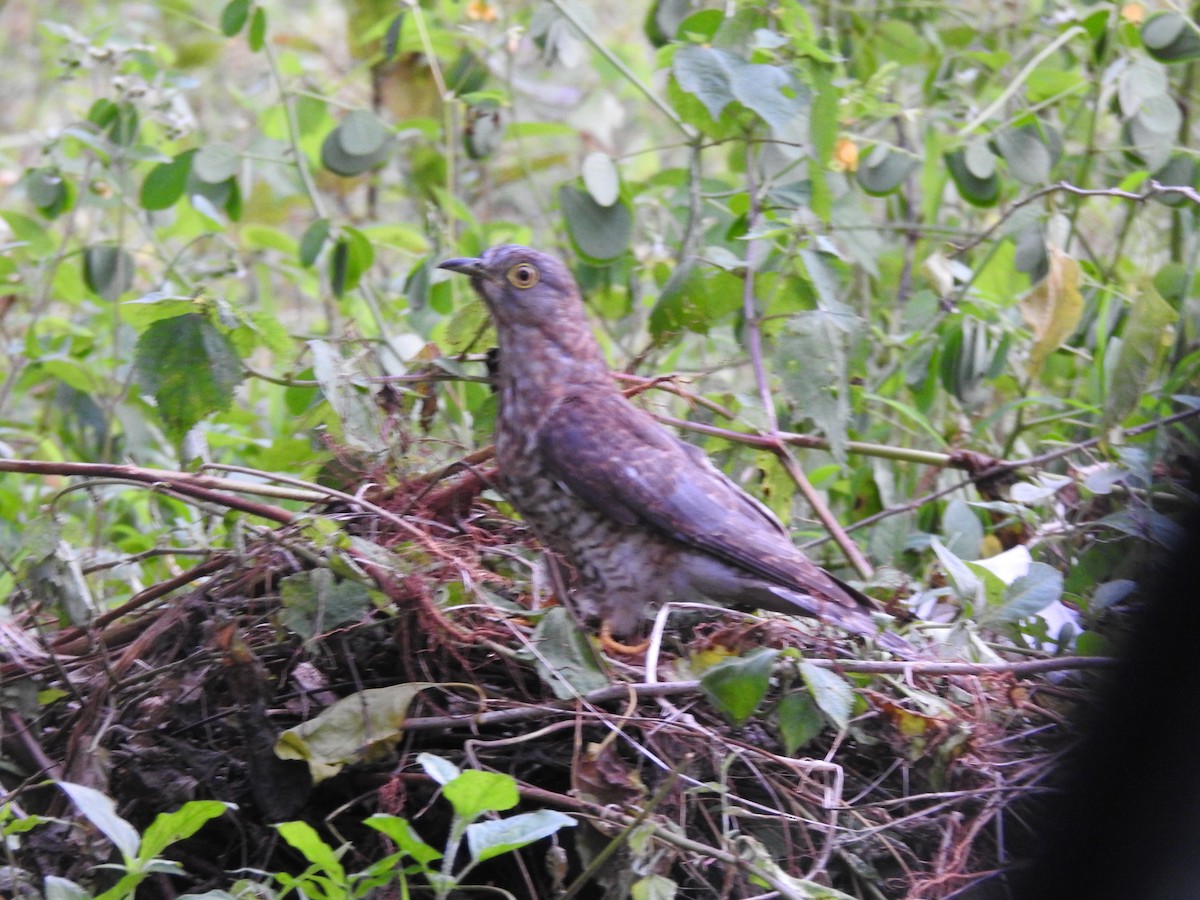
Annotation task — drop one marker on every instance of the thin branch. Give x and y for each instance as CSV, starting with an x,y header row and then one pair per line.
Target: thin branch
x,y
1155,189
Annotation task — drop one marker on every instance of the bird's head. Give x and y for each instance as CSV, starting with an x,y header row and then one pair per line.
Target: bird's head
x,y
521,286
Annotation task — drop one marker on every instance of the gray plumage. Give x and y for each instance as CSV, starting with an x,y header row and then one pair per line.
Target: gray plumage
x,y
644,517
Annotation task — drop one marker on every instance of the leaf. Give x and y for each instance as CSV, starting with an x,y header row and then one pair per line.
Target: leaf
x,y
598,233
364,725
189,367
975,189
233,16
475,792
966,583
653,887
107,270
601,179
566,661
361,133
717,77
1141,80
166,182
1053,307
496,837
1146,336
1028,156
885,168
258,30
813,361
314,602
216,162
695,298
304,837
312,241
56,888
352,256
1169,37
101,811
171,827
832,693
962,529
737,685
407,840
1026,596
440,770
799,720
360,143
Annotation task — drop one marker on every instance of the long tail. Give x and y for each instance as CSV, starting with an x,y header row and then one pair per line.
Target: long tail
x,y
856,621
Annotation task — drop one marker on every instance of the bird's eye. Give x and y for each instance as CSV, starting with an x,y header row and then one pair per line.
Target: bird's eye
x,y
523,275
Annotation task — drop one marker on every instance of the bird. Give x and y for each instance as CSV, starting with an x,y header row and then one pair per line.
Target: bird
x,y
643,517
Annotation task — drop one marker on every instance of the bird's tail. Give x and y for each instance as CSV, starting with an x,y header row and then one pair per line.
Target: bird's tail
x,y
856,621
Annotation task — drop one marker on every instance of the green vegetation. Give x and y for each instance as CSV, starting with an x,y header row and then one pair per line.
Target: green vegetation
x,y
927,271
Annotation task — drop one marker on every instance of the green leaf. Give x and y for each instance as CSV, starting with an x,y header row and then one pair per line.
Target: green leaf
x,y
365,725
155,306
653,887
352,256
118,121
258,30
736,686
47,190
170,827
1147,335
56,888
216,162
407,840
799,720
189,367
101,811
166,182
361,133
566,661
496,837
475,792
314,602
884,168
1170,38
967,584
598,233
360,143
233,16
718,77
28,231
312,241
600,178
1026,596
975,189
107,270
304,838
962,530
832,693
1027,154
813,360
695,298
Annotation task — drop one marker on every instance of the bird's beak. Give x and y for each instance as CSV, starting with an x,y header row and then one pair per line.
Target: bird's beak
x,y
466,266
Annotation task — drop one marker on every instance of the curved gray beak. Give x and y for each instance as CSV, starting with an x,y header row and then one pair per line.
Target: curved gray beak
x,y
465,266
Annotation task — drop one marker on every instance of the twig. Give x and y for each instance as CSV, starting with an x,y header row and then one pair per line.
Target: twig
x,y
1155,189
609,694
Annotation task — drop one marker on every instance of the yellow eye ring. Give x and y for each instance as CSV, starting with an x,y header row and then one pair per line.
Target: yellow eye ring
x,y
523,275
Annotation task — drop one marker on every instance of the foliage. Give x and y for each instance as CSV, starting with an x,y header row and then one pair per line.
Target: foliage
x,y
959,244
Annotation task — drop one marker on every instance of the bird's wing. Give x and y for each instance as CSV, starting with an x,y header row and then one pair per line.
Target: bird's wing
x,y
614,456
